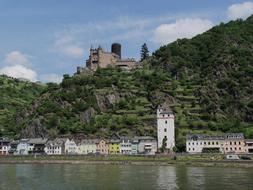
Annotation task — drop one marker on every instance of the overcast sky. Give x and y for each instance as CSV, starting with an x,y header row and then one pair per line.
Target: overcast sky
x,y
43,39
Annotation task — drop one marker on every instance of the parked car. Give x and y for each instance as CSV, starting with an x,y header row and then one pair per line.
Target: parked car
x,y
232,157
245,158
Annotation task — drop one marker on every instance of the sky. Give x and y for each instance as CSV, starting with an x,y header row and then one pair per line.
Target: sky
x,y
41,40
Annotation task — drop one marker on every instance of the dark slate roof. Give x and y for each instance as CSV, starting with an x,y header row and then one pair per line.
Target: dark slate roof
x,y
143,138
204,137
234,136
228,136
37,141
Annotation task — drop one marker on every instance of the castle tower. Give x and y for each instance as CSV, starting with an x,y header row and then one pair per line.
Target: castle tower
x,y
165,127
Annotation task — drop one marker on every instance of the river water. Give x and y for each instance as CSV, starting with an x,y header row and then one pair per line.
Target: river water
x,y
62,177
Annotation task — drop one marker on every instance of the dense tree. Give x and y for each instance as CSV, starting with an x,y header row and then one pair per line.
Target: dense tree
x,y
144,52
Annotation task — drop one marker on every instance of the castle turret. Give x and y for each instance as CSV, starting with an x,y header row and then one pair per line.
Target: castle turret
x,y
116,48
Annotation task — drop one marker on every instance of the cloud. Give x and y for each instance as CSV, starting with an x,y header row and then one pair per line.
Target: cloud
x,y
16,58
66,45
19,71
242,10
182,28
51,78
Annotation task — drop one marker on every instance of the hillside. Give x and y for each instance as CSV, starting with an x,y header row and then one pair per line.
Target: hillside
x,y
15,95
207,81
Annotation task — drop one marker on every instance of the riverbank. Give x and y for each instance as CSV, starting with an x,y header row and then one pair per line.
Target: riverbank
x,y
189,160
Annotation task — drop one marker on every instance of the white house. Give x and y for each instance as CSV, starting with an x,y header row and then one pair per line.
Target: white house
x,y
70,147
4,146
165,127
197,142
87,146
125,145
23,147
54,147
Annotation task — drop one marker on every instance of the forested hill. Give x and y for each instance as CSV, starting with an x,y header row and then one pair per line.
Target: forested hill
x,y
221,62
15,95
207,81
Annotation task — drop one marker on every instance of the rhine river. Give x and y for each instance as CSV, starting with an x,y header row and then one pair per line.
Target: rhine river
x,y
113,177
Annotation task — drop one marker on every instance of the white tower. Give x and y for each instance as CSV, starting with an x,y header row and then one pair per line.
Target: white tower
x,y
165,127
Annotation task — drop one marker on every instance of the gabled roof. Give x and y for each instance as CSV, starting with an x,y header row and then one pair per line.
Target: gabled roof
x,y
165,109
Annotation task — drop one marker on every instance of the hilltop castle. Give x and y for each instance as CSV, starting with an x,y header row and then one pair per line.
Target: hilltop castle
x,y
99,58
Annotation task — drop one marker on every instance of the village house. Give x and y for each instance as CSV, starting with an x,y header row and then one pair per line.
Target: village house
x,y
13,147
146,145
4,146
54,147
87,146
23,147
198,142
249,145
70,147
126,145
229,143
114,144
38,145
134,146
102,147
234,143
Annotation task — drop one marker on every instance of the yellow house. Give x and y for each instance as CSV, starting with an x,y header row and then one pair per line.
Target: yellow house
x,y
114,144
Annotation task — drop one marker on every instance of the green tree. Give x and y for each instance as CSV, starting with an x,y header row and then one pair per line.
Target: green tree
x,y
163,148
144,52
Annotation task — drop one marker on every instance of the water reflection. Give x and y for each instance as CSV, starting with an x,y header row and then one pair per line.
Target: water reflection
x,y
57,176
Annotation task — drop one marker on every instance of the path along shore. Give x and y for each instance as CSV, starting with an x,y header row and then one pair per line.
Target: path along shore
x,y
200,160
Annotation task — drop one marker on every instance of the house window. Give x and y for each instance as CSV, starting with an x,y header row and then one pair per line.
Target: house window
x,y
212,143
189,143
217,143
165,130
209,143
193,149
239,143
189,149
193,143
231,149
234,143
166,121
204,143
196,143
239,148
226,148
235,148
230,143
